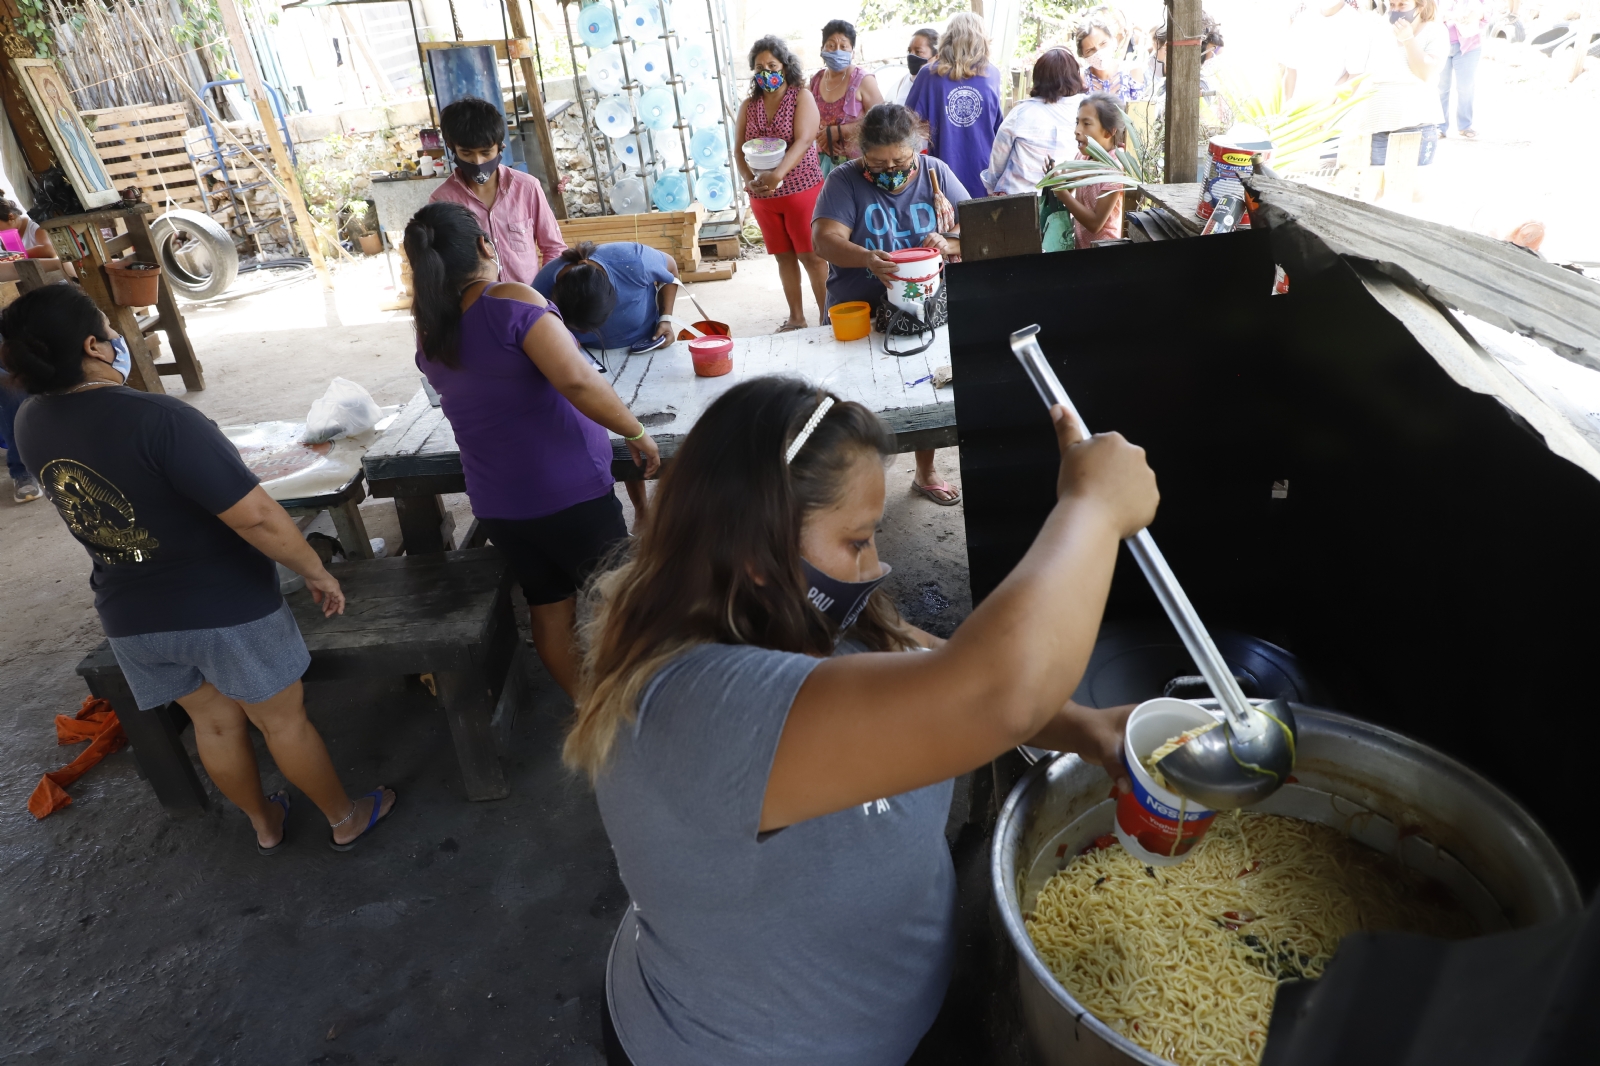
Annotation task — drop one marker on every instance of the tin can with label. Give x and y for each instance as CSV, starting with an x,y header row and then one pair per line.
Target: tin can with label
x,y
1231,155
1156,825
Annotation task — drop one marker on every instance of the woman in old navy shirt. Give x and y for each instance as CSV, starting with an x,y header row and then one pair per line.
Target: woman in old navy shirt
x,y
183,539
772,767
881,203
530,414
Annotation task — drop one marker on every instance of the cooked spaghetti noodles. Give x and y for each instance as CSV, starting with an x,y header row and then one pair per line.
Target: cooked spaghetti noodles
x,y
1185,960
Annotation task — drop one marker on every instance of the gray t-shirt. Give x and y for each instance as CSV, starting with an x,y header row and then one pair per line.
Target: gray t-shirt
x,y
827,943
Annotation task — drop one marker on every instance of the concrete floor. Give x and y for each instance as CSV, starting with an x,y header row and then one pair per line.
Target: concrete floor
x,y
462,932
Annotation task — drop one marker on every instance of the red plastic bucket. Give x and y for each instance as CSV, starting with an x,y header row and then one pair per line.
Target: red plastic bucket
x,y
713,356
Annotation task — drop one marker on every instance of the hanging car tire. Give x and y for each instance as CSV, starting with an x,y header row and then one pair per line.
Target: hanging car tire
x,y
197,255
1509,28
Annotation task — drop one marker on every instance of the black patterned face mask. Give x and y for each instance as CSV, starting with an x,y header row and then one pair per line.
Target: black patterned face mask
x,y
841,601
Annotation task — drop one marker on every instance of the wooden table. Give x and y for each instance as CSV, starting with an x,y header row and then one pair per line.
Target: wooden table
x,y
309,478
448,615
146,372
417,459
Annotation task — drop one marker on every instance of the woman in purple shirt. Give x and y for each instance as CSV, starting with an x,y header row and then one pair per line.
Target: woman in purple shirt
x,y
530,414
958,95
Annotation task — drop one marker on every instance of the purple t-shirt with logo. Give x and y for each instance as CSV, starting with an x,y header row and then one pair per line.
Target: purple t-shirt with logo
x,y
963,117
526,452
880,221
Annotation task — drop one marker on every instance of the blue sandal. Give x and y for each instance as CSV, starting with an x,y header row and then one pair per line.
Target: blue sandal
x,y
374,819
281,798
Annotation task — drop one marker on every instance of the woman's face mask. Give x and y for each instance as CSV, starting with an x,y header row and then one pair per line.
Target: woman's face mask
x,y
915,63
769,80
839,59
892,177
1408,16
841,601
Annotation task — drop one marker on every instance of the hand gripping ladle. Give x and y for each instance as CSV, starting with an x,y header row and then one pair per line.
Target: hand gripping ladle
x,y
1250,755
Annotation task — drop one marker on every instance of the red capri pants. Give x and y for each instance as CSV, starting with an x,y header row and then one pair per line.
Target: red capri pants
x,y
785,221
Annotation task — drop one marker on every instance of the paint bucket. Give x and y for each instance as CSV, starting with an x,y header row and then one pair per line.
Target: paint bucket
x,y
1156,825
133,284
713,357
917,276
1231,154
705,328
851,321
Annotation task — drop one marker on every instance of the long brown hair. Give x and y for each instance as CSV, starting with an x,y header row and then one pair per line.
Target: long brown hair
x,y
718,560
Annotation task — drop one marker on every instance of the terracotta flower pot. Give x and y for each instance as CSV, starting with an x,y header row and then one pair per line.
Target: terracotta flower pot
x,y
133,284
371,243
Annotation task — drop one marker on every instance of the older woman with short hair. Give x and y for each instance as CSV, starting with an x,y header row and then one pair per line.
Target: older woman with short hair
x,y
183,539
958,95
880,203
1039,129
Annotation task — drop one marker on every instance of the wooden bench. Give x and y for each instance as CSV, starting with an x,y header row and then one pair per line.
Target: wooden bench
x,y
447,614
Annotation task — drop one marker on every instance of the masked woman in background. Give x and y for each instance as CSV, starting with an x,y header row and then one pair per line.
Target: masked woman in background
x,y
772,745
923,44
844,92
781,198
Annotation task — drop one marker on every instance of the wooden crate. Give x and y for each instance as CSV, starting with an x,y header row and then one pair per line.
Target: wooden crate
x,y
144,146
673,232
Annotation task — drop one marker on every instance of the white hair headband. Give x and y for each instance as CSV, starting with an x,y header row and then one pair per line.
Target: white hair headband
x,y
809,428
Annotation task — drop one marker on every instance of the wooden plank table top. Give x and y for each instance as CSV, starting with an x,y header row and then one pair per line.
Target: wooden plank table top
x,y
418,454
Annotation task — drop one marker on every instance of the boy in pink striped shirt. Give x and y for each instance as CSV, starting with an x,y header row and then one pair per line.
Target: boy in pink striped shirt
x,y
508,204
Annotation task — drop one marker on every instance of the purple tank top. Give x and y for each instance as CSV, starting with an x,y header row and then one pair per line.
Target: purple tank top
x,y
525,450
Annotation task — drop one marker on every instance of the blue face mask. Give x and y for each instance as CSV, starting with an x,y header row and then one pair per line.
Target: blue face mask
x,y
123,363
839,60
890,180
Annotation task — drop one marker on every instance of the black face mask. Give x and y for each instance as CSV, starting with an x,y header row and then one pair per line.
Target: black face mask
x,y
841,601
1409,16
915,63
478,173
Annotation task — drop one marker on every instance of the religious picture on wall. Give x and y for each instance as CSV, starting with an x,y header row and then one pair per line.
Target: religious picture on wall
x,y
73,144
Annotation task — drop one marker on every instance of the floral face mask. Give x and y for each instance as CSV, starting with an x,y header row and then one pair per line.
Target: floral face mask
x,y
891,179
770,80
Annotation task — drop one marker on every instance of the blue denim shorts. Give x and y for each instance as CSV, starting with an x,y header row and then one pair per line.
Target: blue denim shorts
x,y
250,662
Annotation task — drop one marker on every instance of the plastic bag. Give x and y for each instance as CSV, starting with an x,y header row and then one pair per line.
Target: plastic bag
x,y
345,410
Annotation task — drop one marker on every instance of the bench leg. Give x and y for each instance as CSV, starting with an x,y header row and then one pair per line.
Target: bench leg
x,y
469,705
157,740
425,526
351,530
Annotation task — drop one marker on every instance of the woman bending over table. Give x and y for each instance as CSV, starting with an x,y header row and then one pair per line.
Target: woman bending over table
x,y
772,767
530,413
183,539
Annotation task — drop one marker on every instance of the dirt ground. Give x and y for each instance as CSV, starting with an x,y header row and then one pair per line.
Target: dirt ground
x,y
462,932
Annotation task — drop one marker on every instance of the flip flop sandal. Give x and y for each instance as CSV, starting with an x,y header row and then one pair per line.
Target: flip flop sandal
x,y
789,327
281,798
377,805
928,491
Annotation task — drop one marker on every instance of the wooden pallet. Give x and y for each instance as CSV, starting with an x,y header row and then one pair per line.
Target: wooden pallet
x,y
673,232
144,146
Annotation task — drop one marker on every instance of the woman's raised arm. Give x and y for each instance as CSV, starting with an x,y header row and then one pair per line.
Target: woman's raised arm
x,y
872,725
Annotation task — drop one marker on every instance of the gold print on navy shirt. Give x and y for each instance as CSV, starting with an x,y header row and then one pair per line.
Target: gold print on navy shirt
x,y
97,513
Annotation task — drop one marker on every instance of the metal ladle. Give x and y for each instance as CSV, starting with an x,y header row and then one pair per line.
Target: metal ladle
x,y
1250,755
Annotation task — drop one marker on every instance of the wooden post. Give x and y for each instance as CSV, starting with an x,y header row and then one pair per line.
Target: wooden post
x,y
547,148
269,124
1183,89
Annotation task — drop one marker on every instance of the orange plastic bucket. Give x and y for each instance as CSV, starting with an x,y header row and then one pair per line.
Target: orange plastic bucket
x,y
851,321
713,356
709,328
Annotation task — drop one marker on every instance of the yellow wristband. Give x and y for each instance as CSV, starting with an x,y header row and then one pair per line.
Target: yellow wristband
x,y
637,436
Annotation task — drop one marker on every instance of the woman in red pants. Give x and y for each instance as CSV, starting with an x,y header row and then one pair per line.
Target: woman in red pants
x,y
782,198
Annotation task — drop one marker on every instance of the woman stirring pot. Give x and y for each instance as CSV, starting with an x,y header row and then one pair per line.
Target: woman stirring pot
x,y
774,771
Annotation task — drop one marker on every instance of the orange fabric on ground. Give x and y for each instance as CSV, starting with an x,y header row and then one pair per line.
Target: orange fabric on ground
x,y
95,722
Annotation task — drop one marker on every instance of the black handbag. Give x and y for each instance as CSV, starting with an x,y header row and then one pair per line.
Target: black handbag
x,y
892,321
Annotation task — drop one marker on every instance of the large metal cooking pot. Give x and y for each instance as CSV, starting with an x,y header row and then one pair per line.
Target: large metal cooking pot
x,y
1383,789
